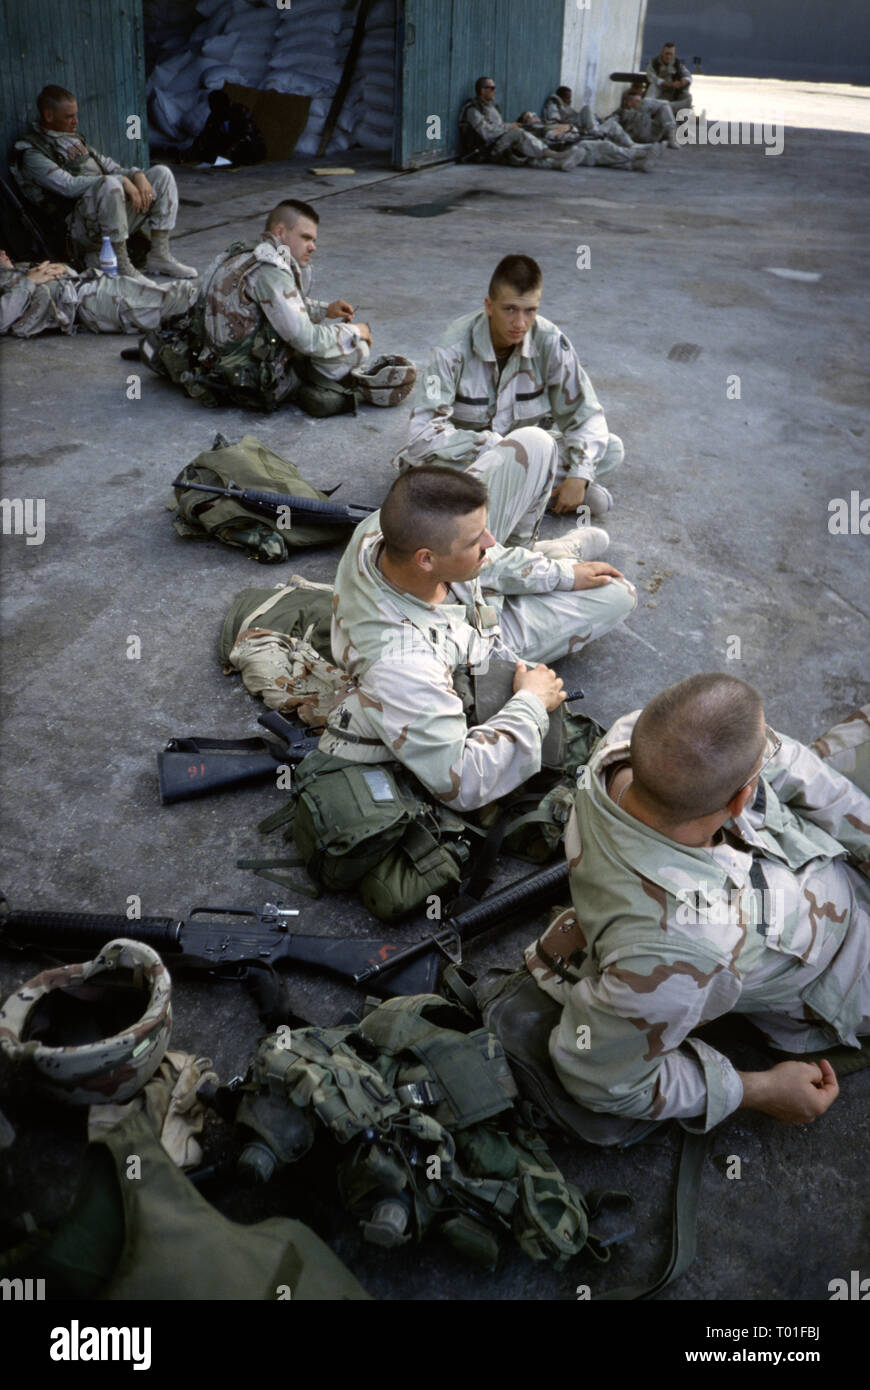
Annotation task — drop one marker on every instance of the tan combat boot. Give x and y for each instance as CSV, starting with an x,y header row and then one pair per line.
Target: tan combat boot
x,y
126,266
162,262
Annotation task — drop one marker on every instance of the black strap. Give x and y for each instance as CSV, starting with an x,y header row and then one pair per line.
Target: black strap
x,y
683,1221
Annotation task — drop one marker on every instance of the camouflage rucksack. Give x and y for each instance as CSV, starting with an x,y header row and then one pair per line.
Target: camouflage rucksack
x,y
420,1104
252,465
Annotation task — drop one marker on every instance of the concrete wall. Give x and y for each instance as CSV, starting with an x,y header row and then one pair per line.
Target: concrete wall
x,y
600,37
795,39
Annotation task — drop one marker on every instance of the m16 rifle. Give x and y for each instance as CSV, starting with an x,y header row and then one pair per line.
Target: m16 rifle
x,y
219,941
271,504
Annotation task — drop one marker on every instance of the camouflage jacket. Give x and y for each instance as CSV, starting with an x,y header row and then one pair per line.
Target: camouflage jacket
x,y
770,922
484,119
462,406
558,111
402,654
662,76
70,171
27,308
243,283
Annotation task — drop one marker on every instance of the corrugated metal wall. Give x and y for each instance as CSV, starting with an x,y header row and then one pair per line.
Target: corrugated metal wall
x,y
445,44
94,48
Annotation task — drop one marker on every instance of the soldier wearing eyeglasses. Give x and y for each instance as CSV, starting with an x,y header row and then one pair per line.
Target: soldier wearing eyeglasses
x,y
716,867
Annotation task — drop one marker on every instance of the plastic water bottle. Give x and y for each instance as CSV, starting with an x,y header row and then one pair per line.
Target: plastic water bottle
x,y
108,259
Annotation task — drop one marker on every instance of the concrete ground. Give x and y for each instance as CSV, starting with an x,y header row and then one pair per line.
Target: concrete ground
x,y
741,395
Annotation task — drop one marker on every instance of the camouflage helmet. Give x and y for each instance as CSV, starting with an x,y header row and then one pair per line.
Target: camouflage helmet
x,y
111,1069
386,381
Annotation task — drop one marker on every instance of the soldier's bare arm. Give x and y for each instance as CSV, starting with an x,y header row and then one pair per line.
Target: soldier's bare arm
x,y
794,1092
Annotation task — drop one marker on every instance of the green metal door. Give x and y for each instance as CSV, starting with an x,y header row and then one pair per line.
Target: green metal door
x,y
443,45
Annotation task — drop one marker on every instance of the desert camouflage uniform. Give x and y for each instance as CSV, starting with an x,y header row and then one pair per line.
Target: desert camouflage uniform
x,y
402,653
585,122
846,747
244,284
661,78
503,145
462,406
648,123
98,302
92,184
771,922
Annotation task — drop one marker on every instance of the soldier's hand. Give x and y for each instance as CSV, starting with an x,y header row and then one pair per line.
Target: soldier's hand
x,y
540,681
593,574
365,333
339,309
794,1092
132,194
146,192
569,496
45,271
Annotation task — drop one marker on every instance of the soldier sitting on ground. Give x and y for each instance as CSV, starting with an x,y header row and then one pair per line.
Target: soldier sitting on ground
x,y
645,119
670,79
427,588
504,367
34,298
262,335
558,110
714,868
482,130
59,172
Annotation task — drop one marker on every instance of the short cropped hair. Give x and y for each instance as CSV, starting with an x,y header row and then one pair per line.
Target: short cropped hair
x,y
51,97
521,273
423,506
670,44
289,213
479,83
563,92
694,744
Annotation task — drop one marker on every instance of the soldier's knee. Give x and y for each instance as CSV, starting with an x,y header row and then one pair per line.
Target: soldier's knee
x,y
160,177
622,597
110,186
614,454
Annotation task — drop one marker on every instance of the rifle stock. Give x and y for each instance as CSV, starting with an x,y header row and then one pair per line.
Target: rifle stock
x,y
196,766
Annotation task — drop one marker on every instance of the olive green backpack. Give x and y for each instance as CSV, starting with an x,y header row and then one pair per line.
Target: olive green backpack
x,y
252,465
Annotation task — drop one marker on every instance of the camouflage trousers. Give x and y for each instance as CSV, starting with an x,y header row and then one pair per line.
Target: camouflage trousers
x,y
118,304
592,129
516,147
606,154
103,211
652,121
103,304
519,475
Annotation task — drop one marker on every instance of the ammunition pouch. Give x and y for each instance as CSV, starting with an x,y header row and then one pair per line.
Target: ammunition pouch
x,y
420,1100
370,826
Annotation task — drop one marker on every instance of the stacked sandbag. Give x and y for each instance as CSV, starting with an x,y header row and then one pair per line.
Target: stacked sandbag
x,y
299,50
